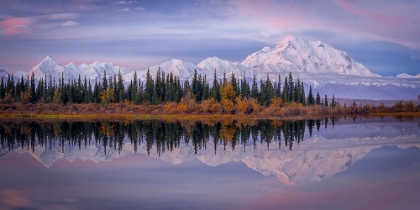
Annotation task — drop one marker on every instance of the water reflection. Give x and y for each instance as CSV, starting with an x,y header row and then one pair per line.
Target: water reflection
x,y
162,135
295,151
353,163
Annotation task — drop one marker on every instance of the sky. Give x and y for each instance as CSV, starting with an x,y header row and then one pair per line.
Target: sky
x,y
381,34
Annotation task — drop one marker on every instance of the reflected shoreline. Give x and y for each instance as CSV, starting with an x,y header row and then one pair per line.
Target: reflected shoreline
x,y
294,151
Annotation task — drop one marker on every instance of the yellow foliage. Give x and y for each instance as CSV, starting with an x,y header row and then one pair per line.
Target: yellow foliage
x,y
107,96
227,133
26,97
227,92
227,106
209,106
241,105
181,108
276,102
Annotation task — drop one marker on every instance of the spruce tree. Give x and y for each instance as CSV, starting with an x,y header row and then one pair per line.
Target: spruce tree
x,y
302,94
278,92
286,91
149,89
310,99
291,88
326,101
134,90
120,88
254,89
318,99
104,82
2,89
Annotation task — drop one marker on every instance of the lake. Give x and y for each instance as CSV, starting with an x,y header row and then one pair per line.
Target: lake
x,y
329,163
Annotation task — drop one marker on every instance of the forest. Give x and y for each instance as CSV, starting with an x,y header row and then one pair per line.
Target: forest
x,y
166,94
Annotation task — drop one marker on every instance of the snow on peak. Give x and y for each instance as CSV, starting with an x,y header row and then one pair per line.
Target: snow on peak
x,y
3,73
298,55
48,58
211,64
48,67
405,75
285,41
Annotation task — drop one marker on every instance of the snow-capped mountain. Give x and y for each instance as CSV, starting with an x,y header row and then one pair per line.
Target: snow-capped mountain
x,y
48,67
3,73
404,75
319,157
184,70
326,69
209,65
299,55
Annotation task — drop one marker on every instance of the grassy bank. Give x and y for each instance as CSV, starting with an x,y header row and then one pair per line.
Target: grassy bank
x,y
210,111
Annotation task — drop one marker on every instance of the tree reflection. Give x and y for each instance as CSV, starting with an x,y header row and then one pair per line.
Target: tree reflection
x,y
161,136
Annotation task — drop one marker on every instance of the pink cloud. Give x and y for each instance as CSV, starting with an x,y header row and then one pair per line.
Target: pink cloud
x,y
14,26
15,198
375,15
395,22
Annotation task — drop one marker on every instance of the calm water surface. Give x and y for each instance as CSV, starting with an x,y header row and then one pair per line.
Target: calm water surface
x,y
309,164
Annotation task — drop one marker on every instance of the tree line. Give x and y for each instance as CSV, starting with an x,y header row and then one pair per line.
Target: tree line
x,y
163,88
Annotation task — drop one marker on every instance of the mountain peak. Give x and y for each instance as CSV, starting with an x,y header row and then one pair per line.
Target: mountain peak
x,y
286,40
299,55
48,58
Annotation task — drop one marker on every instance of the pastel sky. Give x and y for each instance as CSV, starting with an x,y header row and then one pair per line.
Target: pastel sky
x,y
381,34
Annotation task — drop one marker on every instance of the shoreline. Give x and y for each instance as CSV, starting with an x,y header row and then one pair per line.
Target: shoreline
x,y
195,111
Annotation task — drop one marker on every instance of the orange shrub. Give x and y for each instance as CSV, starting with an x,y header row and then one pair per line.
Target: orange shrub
x,y
227,106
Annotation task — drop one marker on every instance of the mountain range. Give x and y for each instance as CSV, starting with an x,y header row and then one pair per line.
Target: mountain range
x,y
317,64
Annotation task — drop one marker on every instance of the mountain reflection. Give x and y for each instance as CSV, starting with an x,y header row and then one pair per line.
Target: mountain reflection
x,y
164,136
296,151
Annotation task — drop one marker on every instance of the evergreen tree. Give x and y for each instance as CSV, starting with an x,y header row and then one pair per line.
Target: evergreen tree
x,y
206,88
278,89
291,88
96,93
254,89
302,94
333,103
33,94
215,89
134,90
245,89
286,90
149,89
2,88
104,82
235,85
120,88
318,99
262,96
310,99
326,101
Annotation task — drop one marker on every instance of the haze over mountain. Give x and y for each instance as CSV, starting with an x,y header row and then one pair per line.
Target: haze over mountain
x,y
326,69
